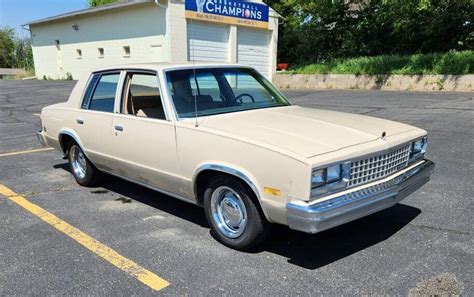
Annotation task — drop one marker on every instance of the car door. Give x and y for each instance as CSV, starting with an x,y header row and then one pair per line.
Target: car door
x,y
93,122
144,142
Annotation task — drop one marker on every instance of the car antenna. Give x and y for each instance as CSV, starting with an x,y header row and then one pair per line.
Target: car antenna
x,y
191,44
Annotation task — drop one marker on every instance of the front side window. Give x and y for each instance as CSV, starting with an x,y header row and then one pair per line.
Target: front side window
x,y
103,97
221,90
142,96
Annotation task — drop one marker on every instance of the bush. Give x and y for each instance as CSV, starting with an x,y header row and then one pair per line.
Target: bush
x,y
69,76
447,63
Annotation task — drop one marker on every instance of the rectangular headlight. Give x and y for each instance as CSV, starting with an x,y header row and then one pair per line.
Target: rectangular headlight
x,y
419,146
318,178
333,173
418,149
330,179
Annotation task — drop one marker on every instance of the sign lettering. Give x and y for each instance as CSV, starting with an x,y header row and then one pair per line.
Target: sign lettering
x,y
236,12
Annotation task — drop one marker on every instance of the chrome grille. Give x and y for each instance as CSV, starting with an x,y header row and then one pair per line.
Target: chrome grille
x,y
379,166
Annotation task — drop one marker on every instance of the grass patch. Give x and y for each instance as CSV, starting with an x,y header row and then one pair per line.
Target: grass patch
x,y
445,63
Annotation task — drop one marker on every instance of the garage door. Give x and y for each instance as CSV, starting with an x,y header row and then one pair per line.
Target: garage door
x,y
208,42
254,49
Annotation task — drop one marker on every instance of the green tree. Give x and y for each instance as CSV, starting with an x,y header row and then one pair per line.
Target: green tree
x,y
23,53
94,3
7,47
322,30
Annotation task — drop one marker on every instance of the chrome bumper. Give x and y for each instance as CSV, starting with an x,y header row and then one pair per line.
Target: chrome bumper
x,y
41,138
318,216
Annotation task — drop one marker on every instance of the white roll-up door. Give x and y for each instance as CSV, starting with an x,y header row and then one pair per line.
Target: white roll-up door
x,y
208,42
253,48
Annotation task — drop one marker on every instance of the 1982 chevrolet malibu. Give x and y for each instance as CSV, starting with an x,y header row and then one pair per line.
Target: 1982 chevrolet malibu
x,y
222,137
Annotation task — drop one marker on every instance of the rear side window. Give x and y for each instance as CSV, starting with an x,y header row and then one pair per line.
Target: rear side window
x,y
142,96
103,95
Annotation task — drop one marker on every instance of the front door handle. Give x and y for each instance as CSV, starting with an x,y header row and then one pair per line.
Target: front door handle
x,y
80,121
119,128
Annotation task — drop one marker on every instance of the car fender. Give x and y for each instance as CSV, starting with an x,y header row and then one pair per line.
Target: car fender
x,y
73,135
233,170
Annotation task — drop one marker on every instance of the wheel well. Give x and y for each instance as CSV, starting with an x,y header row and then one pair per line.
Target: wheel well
x,y
206,176
65,140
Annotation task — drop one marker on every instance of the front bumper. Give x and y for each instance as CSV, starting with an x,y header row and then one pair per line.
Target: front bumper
x,y
41,138
362,201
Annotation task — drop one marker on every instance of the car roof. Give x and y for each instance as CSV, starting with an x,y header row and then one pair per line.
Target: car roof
x,y
167,66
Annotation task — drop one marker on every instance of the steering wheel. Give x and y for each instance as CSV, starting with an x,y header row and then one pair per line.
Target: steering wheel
x,y
239,98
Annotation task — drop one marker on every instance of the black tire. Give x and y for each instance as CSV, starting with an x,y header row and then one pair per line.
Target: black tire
x,y
91,176
256,228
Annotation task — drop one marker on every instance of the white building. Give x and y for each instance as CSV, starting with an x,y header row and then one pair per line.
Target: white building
x,y
176,31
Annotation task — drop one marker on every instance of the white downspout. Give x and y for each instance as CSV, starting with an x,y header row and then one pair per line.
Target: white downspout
x,y
167,38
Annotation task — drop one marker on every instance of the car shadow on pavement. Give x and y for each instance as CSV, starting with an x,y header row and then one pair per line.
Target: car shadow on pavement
x,y
162,202
318,250
129,192
310,251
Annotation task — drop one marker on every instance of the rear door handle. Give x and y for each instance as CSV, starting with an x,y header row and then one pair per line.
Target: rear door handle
x,y
118,128
80,121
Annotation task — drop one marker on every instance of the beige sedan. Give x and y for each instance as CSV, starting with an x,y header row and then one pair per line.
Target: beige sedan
x,y
222,137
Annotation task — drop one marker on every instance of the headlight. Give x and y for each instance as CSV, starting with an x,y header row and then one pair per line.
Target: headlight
x,y
333,173
418,148
334,176
318,178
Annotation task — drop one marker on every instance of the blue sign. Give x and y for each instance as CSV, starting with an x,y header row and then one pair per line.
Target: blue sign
x,y
245,10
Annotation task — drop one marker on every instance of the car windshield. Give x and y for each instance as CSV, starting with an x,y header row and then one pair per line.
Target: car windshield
x,y
221,90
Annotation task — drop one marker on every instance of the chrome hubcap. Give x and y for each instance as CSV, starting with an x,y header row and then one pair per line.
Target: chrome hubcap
x,y
228,212
78,162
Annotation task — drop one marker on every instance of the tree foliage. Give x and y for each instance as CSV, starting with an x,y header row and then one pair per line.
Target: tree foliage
x,y
94,3
23,53
7,47
322,30
14,52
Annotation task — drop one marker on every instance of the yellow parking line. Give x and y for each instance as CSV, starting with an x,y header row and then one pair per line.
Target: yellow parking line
x,y
146,277
26,152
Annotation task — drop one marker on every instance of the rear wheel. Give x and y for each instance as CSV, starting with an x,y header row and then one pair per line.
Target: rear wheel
x,y
233,213
85,173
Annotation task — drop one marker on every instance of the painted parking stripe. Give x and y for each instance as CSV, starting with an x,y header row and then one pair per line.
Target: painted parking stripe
x,y
26,152
131,268
37,114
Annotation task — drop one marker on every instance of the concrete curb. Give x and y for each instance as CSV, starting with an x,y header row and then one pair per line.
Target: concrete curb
x,y
450,83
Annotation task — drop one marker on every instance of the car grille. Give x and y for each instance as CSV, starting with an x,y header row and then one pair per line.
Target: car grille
x,y
379,166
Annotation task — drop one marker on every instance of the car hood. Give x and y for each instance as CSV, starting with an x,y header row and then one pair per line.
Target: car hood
x,y
304,131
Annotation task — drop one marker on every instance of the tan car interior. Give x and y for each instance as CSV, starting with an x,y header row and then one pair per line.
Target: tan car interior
x,y
143,101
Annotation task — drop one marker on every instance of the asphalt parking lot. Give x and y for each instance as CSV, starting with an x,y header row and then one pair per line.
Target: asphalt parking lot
x,y
420,246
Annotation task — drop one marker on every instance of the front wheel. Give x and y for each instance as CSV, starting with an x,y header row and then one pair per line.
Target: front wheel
x,y
85,173
233,213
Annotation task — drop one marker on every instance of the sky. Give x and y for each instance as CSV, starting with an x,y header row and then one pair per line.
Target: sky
x,y
14,13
